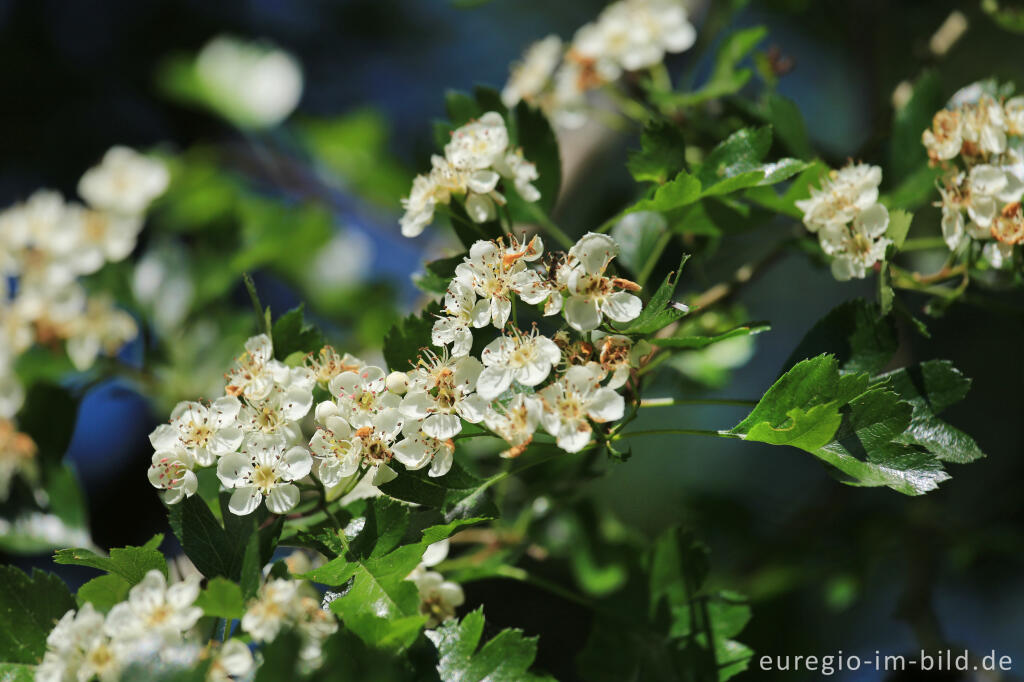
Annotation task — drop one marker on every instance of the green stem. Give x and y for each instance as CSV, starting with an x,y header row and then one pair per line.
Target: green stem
x,y
325,506
681,432
554,230
516,573
924,243
668,402
652,259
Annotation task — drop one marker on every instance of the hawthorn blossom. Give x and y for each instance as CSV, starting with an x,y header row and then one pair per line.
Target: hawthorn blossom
x,y
280,411
441,395
524,358
104,236
438,597
360,396
255,371
495,272
515,422
232,661
591,295
984,127
573,401
618,356
327,364
857,248
944,139
124,183
370,444
99,329
281,604
843,194
155,609
171,471
529,77
478,144
203,432
79,648
417,449
335,456
265,466
255,85
462,312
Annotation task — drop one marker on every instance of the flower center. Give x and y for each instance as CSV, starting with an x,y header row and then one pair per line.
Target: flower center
x,y
264,477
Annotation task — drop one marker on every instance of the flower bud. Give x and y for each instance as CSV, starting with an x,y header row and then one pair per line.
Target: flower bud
x,y
397,383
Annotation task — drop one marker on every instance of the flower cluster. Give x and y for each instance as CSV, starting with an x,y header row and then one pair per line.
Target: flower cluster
x,y
850,223
157,623
47,243
290,604
522,380
977,142
154,620
628,35
438,597
476,158
252,435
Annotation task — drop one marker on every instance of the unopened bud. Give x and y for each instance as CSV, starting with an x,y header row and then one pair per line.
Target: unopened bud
x,y
397,383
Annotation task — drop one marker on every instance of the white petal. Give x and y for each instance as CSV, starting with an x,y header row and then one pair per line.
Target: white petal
x,y
295,464
606,406
582,314
442,426
493,382
283,498
244,501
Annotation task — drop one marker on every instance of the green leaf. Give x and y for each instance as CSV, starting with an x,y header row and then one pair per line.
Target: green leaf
x,y
214,549
735,163
103,592
656,313
17,672
899,225
30,606
915,190
48,415
291,334
458,494
906,153
725,78
506,657
637,235
662,153
130,563
405,340
785,118
695,342
221,599
838,419
861,339
930,388
461,107
280,658
540,147
681,191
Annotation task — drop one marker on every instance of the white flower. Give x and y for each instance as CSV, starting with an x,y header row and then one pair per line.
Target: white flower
x,y
521,172
531,76
271,610
634,34
417,449
442,395
171,471
233,661
842,195
280,411
984,126
858,247
495,272
525,358
103,236
266,466
438,597
998,254
343,451
1013,110
419,206
463,310
255,371
335,454
101,328
78,648
478,144
944,139
618,356
569,402
254,85
125,182
592,295
360,396
515,422
155,609
204,432
327,364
